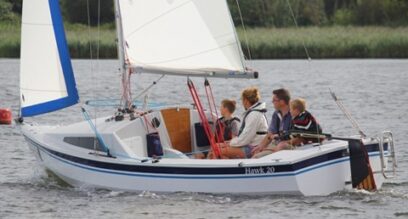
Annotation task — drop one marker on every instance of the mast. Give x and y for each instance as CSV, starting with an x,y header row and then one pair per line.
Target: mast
x,y
121,55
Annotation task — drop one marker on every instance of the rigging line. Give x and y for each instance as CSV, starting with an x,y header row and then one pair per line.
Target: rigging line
x,y
88,9
203,117
97,134
97,54
297,27
97,63
245,32
307,54
148,88
347,114
213,110
89,33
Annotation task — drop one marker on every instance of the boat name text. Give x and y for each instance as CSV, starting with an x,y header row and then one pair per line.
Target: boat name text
x,y
259,170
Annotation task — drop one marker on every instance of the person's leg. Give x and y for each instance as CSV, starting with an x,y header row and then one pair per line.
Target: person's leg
x,y
288,145
262,154
232,152
266,151
199,156
281,146
211,155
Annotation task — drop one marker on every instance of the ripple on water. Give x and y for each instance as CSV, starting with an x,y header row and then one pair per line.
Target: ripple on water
x,y
401,214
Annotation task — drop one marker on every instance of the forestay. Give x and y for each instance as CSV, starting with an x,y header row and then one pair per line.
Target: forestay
x,y
181,37
46,77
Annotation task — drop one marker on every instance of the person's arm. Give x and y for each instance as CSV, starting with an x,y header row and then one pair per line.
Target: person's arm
x,y
269,138
234,128
273,131
249,132
266,140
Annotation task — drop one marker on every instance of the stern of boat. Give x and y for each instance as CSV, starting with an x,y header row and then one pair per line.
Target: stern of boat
x,y
382,156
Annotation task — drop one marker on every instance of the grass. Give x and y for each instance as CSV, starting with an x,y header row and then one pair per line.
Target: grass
x,y
78,41
264,43
328,42
9,40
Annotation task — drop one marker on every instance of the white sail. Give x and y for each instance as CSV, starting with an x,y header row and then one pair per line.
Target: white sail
x,y
46,76
180,37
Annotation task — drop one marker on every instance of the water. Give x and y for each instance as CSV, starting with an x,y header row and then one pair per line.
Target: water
x,y
375,91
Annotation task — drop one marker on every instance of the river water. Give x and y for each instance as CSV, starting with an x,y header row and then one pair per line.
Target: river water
x,y
375,91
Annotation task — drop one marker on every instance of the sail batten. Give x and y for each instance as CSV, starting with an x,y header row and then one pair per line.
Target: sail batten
x,y
180,34
47,82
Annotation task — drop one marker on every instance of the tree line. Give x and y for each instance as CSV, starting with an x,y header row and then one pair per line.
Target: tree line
x,y
255,13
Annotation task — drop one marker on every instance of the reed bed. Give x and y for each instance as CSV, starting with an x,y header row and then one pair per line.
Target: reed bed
x,y
327,42
264,43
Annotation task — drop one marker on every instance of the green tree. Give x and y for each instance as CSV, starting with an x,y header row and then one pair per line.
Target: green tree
x,y
76,11
277,13
6,13
311,12
16,6
253,12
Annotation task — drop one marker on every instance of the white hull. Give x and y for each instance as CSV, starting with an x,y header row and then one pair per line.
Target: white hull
x,y
77,156
285,172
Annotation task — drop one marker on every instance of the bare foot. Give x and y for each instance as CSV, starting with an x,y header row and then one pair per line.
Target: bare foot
x,y
199,156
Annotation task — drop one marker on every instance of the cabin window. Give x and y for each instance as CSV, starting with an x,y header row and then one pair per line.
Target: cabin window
x,y
90,143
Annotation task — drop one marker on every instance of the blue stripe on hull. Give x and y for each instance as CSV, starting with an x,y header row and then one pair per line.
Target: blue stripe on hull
x,y
194,173
140,170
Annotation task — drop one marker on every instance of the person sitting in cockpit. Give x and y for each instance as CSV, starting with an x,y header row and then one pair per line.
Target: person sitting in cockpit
x,y
228,125
279,125
303,121
253,123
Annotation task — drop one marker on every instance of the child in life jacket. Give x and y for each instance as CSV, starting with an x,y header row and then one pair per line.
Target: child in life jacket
x,y
302,120
228,124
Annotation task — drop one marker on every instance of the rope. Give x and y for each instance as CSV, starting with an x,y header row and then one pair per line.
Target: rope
x,y
213,110
347,114
126,91
307,54
88,9
116,103
297,27
244,29
97,135
97,58
203,118
148,88
89,30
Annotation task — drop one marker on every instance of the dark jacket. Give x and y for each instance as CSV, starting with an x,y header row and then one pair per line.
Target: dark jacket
x,y
306,122
228,127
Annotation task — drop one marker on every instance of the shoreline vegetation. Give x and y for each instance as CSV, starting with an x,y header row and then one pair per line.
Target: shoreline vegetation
x,y
264,43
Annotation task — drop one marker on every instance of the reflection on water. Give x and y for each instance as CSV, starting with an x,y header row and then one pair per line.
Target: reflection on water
x,y
375,91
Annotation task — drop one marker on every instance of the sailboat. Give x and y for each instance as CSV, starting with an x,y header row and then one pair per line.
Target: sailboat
x,y
150,149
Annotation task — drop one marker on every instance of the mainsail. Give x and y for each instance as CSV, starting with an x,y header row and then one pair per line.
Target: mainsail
x,y
181,37
47,81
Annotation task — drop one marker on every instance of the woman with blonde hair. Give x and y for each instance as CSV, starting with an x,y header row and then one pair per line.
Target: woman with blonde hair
x,y
253,127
